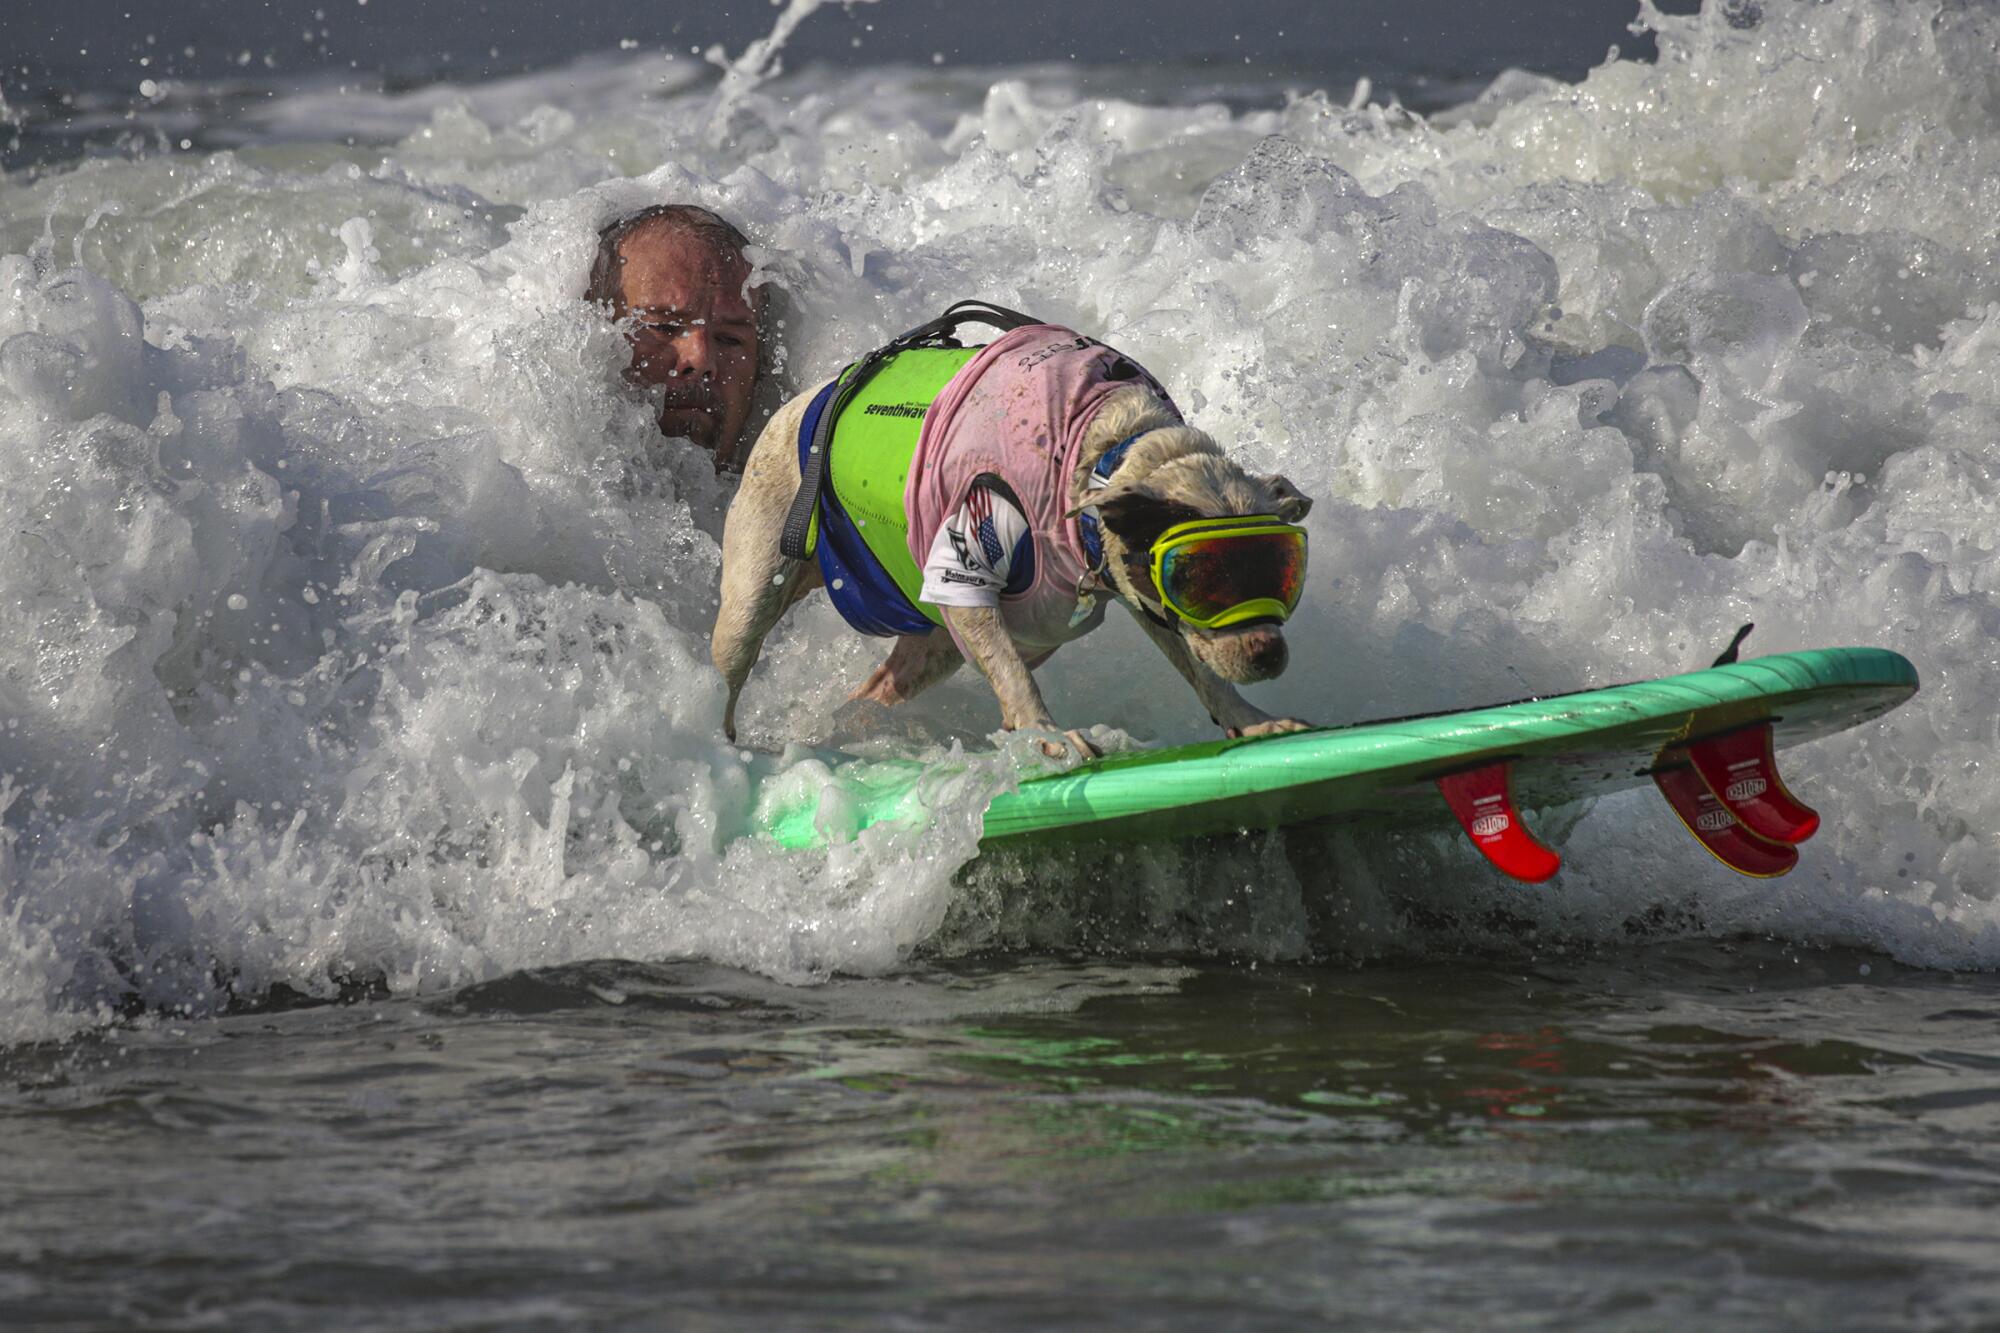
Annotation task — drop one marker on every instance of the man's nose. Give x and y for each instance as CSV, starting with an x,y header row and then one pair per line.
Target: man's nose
x,y
694,352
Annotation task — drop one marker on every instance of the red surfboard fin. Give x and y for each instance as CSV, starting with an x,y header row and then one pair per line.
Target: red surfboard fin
x,y
1715,825
1483,800
1741,770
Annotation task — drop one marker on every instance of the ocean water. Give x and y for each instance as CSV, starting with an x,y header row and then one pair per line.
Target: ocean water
x,y
353,646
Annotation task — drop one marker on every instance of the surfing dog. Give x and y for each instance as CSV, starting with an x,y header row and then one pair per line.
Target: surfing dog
x,y
1047,475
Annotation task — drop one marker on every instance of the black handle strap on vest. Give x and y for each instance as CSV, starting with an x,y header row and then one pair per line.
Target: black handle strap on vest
x,y
933,333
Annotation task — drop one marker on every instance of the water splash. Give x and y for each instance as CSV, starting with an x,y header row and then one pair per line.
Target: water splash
x,y
758,64
354,619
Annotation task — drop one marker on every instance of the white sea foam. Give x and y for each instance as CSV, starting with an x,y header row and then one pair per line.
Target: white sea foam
x,y
352,621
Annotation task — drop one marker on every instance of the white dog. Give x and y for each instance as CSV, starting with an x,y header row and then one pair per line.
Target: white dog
x,y
980,502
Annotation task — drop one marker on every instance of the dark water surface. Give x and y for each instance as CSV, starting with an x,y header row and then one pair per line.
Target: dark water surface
x,y
1736,1134
104,77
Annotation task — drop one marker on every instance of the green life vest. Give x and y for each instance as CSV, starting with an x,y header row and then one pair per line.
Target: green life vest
x,y
872,444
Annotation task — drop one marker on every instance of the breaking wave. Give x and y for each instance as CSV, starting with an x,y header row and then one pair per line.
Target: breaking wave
x,y
353,621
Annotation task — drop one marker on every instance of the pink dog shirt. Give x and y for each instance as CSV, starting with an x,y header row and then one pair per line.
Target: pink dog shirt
x,y
1019,411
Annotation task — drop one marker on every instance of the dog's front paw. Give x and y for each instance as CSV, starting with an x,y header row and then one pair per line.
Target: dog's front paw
x,y
1074,745
1270,726
1083,744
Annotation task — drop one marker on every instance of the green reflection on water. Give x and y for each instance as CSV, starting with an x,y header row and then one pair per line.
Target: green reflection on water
x,y
1289,1091
1425,1050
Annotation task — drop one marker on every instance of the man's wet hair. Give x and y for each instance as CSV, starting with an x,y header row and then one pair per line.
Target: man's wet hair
x,y
720,234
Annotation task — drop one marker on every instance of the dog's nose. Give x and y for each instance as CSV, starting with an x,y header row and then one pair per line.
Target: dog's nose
x,y
1266,651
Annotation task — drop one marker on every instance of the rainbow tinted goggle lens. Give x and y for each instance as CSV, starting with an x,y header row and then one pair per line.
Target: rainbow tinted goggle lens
x,y
1217,572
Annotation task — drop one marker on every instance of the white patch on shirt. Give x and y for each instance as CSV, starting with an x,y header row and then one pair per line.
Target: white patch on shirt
x,y
970,567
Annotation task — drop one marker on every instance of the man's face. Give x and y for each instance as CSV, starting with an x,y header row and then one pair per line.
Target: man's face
x,y
693,333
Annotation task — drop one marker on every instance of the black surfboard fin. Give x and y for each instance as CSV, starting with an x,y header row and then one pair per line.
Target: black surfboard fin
x,y
1728,657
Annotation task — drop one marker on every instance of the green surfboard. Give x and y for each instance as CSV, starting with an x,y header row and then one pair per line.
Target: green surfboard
x,y
1563,748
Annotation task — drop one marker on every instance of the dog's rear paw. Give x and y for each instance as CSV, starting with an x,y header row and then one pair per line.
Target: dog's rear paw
x,y
1269,727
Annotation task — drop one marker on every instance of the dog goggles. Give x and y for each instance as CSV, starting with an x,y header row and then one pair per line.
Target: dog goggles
x,y
1217,572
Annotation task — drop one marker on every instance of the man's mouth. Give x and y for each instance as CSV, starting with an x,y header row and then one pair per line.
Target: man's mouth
x,y
688,402
695,418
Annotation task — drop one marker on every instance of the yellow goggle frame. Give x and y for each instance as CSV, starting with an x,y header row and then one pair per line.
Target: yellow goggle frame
x,y
1201,531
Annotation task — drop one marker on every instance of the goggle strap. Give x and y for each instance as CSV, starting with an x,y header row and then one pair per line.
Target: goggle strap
x,y
1246,525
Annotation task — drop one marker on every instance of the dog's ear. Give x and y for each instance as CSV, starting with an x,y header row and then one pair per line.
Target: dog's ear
x,y
1293,503
1115,500
1139,515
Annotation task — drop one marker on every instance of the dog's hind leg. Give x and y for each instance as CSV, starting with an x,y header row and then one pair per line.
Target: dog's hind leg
x,y
752,605
917,662
758,583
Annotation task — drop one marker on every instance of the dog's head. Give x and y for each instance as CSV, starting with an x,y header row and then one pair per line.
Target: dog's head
x,y
1173,474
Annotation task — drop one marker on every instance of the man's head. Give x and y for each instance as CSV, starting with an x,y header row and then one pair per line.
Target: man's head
x,y
675,276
